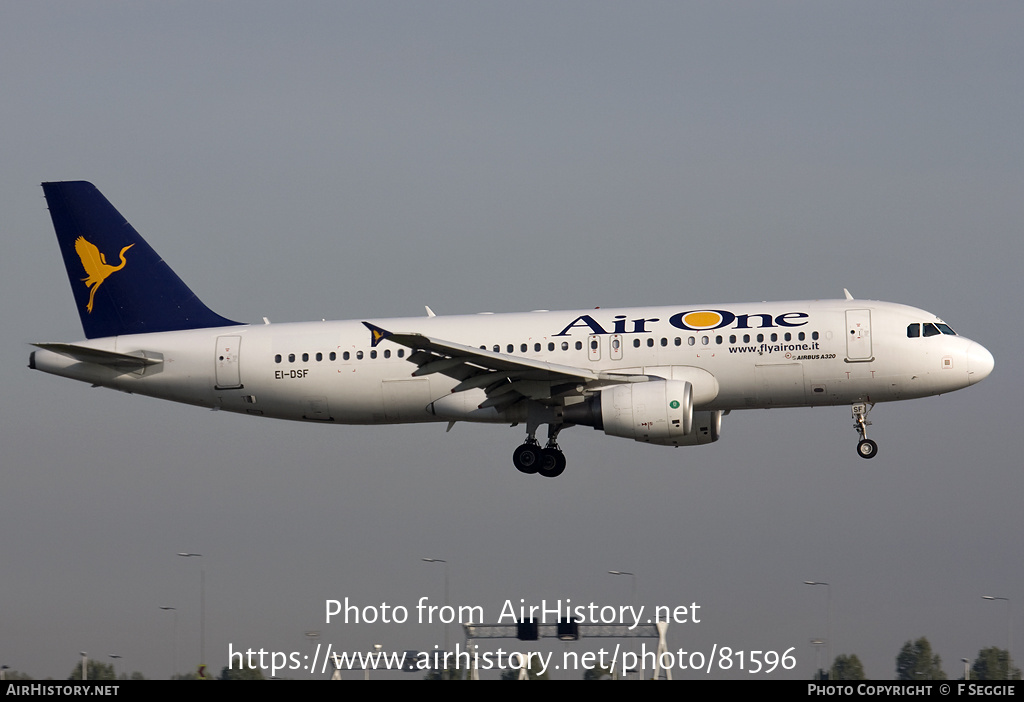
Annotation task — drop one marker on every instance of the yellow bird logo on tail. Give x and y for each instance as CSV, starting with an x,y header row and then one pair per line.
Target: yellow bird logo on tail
x,y
95,264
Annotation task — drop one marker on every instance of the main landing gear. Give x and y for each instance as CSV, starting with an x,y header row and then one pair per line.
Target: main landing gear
x,y
866,448
548,461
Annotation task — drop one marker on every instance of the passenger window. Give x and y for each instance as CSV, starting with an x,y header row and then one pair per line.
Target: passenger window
x,y
334,356
788,337
718,340
593,344
277,358
510,348
913,331
760,337
497,349
387,353
690,341
801,336
551,346
291,358
305,357
401,353
775,337
746,338
732,338
814,335
359,355
319,356
636,343
704,341
679,342
565,345
536,347
522,348
664,341
346,356
579,345
650,342
373,354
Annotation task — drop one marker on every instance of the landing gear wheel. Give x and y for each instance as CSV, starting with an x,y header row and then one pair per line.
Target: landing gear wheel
x,y
867,448
552,463
527,458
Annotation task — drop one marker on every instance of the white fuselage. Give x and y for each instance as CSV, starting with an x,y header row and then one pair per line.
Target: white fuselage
x,y
740,356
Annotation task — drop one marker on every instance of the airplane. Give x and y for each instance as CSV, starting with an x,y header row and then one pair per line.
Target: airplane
x,y
658,375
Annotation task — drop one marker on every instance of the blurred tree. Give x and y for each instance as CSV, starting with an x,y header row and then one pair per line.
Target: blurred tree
x,y
242,673
95,670
917,662
848,668
993,663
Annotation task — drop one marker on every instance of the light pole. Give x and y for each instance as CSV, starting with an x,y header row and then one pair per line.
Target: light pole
x,y
85,663
817,643
114,657
1009,630
174,651
828,624
202,611
632,576
446,606
366,668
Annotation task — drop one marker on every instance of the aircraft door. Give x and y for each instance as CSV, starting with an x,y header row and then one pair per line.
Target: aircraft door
x,y
615,347
226,362
858,335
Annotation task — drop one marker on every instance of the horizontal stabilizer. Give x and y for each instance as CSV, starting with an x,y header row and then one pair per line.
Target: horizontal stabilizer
x,y
111,359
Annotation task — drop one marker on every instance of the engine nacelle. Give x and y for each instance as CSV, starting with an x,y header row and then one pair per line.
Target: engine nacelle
x,y
655,412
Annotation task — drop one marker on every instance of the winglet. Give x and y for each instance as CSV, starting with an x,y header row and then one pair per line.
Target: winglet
x,y
378,335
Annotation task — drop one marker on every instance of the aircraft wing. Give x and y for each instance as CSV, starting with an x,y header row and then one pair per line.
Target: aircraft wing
x,y
505,378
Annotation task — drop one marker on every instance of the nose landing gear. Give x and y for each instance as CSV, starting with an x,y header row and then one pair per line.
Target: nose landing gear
x,y
866,448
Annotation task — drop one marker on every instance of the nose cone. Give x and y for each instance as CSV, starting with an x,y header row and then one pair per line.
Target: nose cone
x,y
979,363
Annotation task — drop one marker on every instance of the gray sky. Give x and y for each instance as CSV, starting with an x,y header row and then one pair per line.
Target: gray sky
x,y
354,160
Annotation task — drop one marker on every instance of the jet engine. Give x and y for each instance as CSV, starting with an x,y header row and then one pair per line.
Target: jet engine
x,y
654,412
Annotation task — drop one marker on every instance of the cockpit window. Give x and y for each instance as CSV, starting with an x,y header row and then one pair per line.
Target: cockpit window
x,y
930,329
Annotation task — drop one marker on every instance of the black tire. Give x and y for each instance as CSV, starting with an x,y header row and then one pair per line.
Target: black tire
x,y
867,449
552,463
527,458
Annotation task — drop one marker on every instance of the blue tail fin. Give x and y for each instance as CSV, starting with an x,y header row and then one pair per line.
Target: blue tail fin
x,y
135,291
